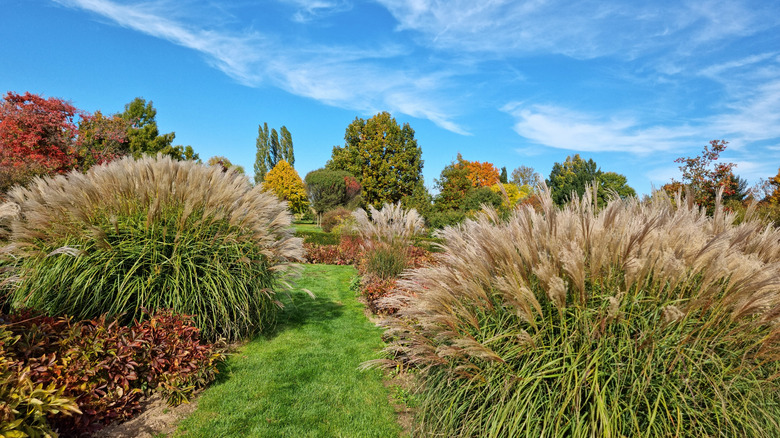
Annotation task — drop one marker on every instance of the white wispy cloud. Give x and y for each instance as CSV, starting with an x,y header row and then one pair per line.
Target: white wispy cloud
x,y
582,30
342,76
232,54
307,10
754,117
562,128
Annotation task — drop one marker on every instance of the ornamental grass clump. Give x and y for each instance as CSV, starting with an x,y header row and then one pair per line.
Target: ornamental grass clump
x,y
387,236
639,319
150,234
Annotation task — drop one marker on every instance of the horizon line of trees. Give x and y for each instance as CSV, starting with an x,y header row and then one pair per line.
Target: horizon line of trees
x,y
380,162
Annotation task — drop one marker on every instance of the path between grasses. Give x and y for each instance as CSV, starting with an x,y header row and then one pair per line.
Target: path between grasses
x,y
303,380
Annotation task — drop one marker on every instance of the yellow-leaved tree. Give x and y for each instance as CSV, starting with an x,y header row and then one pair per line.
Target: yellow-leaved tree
x,y
514,193
286,184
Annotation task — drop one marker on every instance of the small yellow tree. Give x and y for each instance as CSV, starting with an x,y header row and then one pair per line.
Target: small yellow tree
x,y
286,184
514,193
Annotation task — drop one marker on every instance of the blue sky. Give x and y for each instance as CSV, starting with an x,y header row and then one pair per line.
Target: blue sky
x,y
632,85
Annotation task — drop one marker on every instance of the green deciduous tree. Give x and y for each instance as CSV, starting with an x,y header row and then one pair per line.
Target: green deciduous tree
x,y
271,150
328,189
453,185
575,173
571,177
611,182
383,156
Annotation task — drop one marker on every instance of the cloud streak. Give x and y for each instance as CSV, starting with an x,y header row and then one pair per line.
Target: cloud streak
x,y
341,76
582,30
561,128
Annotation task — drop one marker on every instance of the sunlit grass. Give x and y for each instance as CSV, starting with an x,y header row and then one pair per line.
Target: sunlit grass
x,y
303,380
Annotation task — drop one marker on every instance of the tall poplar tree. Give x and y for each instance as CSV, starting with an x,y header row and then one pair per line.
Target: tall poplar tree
x,y
271,150
287,147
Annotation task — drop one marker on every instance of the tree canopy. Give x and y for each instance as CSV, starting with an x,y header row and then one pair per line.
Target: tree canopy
x,y
525,176
271,150
328,189
143,135
574,174
383,156
704,176
41,136
285,182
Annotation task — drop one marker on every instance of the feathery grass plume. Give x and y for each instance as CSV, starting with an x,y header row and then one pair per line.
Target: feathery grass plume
x,y
391,224
639,319
387,235
152,233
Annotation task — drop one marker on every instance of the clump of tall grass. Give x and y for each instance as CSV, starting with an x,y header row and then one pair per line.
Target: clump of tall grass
x,y
639,319
387,235
391,224
152,233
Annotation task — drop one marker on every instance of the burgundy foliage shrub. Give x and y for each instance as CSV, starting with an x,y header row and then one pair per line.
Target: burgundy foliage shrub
x,y
107,368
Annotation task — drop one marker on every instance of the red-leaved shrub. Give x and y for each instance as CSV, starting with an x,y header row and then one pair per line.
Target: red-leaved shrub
x,y
374,288
107,368
347,252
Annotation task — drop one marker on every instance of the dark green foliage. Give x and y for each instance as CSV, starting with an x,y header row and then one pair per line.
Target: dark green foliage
x,y
383,156
571,177
503,179
143,137
575,174
129,236
439,219
420,200
478,197
107,368
327,189
453,185
334,217
271,150
611,183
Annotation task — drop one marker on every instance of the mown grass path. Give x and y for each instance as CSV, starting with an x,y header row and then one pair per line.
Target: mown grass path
x,y
303,380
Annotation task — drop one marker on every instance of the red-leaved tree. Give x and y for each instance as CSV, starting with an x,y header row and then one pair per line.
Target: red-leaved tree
x,y
37,135
40,136
705,176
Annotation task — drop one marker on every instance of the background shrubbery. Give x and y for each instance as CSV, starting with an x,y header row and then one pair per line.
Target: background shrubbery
x,y
153,233
641,319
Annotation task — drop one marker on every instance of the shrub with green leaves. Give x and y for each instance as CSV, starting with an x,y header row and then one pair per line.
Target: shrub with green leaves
x,y
153,233
639,319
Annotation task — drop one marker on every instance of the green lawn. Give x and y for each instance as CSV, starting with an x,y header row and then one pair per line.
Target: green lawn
x,y
303,381
307,227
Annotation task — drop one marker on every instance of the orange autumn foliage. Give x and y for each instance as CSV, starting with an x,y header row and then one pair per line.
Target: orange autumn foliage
x,y
481,174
